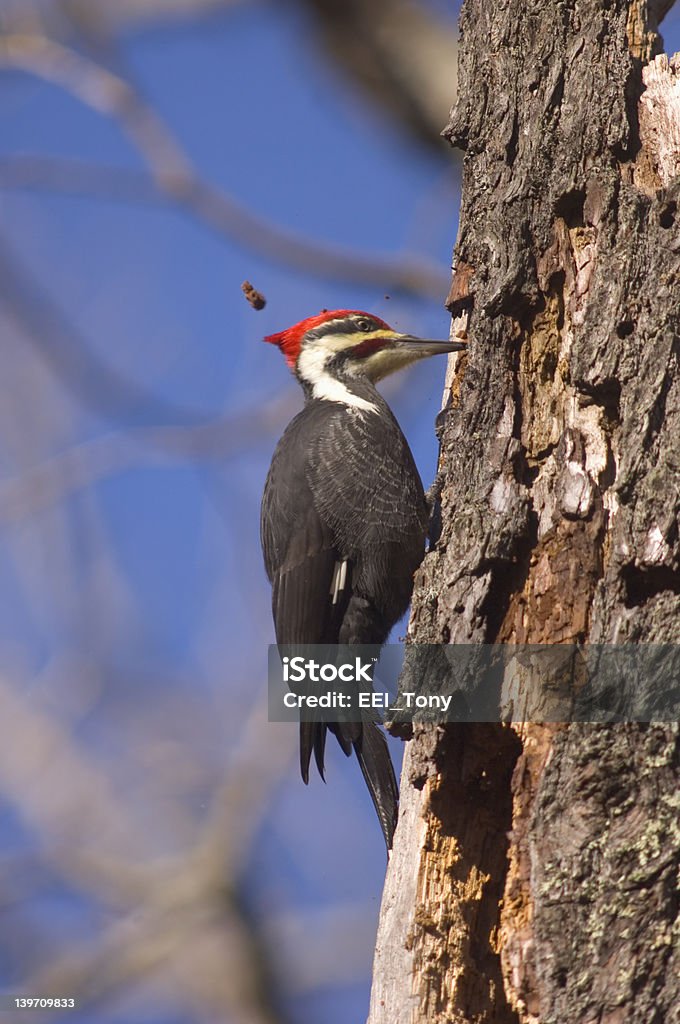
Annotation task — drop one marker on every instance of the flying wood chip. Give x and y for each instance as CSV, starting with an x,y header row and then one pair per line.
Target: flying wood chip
x,y
255,298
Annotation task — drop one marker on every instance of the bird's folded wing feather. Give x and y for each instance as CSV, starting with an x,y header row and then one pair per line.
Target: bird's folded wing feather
x,y
377,495
310,583
311,587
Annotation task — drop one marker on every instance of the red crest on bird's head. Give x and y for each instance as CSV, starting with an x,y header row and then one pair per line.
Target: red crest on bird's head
x,y
290,340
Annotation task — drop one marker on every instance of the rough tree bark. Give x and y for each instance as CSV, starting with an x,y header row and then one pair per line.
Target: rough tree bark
x,y
534,875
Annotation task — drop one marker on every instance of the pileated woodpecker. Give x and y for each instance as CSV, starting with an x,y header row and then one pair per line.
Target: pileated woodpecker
x,y
344,515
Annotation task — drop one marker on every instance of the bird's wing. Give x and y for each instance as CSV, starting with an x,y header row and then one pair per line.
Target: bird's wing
x,y
311,578
311,581
310,594
311,585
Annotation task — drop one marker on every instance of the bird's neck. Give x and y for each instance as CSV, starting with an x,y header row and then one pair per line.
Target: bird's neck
x,y
323,381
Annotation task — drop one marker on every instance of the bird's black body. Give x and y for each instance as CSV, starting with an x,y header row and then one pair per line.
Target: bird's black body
x,y
344,516
343,485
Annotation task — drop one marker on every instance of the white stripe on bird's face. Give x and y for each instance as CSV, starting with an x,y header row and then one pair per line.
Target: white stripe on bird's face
x,y
312,367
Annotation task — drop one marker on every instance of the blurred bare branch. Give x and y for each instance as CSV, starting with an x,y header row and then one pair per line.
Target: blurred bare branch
x,y
52,17
405,276
201,943
78,806
124,14
86,463
104,92
176,180
175,907
401,52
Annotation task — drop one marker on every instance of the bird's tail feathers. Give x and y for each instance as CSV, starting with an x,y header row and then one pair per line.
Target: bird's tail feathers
x,y
376,767
374,759
312,738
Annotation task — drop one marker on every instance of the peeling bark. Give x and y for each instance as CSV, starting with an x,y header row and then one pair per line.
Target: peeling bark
x,y
534,875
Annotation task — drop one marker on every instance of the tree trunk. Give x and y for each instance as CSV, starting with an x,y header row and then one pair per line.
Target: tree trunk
x,y
534,871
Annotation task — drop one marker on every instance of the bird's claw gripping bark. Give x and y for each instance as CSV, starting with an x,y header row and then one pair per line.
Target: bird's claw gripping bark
x,y
433,493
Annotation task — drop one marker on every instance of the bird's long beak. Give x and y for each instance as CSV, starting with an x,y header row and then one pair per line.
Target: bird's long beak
x,y
424,347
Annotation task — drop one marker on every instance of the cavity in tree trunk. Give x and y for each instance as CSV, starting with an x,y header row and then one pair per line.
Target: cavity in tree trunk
x,y
534,874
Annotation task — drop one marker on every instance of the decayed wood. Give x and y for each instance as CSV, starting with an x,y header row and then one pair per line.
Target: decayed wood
x,y
561,448
442,901
659,114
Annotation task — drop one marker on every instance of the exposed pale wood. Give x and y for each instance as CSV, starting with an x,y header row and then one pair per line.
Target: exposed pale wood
x,y
659,113
393,996
445,880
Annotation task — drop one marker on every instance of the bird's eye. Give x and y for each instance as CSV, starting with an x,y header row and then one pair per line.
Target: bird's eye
x,y
364,325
